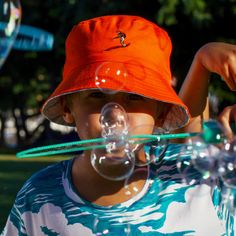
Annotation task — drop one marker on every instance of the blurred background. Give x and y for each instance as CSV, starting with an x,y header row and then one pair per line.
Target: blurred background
x,y
27,77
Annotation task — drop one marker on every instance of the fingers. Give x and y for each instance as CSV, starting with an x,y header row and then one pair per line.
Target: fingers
x,y
220,58
230,68
224,119
229,77
230,83
232,76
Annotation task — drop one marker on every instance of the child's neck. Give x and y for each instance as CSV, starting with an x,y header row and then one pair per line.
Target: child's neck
x,y
98,190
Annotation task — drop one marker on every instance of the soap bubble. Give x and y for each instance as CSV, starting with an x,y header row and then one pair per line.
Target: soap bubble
x,y
200,158
199,163
227,165
10,17
184,163
114,121
205,158
132,186
194,172
111,77
147,150
115,161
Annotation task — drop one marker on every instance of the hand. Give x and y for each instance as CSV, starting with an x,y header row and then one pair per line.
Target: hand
x,y
220,58
227,116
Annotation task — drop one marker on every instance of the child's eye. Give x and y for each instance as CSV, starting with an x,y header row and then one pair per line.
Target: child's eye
x,y
135,97
97,95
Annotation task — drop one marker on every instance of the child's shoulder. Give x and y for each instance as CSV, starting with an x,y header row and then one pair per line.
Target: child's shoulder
x,y
51,172
45,182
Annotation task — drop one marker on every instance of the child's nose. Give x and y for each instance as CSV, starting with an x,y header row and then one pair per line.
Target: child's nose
x,y
118,98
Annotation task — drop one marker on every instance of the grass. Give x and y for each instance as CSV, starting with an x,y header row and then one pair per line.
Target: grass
x,y
13,173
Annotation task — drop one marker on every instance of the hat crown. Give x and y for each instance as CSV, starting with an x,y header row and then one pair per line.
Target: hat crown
x,y
98,39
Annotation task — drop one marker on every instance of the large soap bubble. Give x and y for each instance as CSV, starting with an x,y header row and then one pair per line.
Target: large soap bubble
x,y
185,166
10,17
114,121
205,158
111,77
115,161
147,151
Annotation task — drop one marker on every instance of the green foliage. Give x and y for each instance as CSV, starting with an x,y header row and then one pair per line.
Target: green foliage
x,y
166,14
13,173
27,78
197,9
199,12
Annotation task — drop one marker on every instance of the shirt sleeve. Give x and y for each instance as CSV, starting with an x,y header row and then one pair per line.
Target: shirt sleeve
x,y
225,209
14,225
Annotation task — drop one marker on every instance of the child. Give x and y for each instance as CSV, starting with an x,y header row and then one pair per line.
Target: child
x,y
71,197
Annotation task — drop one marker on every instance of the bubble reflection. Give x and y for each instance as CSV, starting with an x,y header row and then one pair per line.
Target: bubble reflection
x,y
115,161
111,77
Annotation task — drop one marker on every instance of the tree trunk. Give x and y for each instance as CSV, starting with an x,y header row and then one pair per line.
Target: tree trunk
x,y
2,130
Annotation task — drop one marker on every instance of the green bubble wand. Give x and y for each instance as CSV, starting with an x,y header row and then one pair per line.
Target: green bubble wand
x,y
211,134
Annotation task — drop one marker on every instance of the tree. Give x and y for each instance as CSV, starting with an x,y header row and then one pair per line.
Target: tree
x,y
27,78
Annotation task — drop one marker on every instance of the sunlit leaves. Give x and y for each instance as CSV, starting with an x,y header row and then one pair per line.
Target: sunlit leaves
x,y
196,10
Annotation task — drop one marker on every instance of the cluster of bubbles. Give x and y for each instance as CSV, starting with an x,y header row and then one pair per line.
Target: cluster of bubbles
x,y
115,161
207,158
122,158
118,158
210,159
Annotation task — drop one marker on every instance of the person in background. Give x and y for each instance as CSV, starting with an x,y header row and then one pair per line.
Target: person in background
x,y
194,91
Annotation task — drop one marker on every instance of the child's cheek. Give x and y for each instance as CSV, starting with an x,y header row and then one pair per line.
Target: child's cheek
x,y
88,127
141,120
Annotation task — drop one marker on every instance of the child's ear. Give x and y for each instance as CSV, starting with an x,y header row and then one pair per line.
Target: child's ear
x,y
67,115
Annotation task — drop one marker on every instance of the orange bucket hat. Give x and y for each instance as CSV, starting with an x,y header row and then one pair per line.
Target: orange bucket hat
x,y
140,46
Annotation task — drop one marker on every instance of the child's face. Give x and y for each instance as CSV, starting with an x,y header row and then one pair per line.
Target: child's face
x,y
85,110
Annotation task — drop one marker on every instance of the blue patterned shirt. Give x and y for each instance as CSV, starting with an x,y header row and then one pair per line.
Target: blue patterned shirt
x,y
49,205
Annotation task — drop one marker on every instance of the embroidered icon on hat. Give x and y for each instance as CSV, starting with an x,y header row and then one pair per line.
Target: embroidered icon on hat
x,y
122,37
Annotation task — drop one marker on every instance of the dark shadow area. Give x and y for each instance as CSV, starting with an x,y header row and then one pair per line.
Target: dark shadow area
x,y
13,174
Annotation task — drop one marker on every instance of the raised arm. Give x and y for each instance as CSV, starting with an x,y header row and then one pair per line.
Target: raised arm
x,y
214,57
